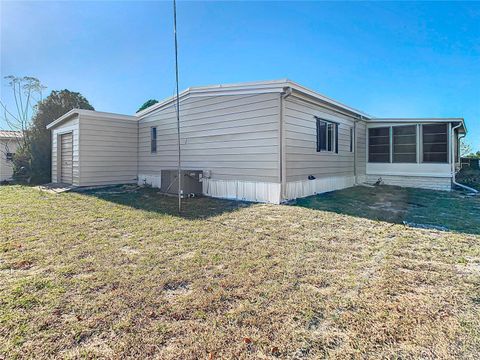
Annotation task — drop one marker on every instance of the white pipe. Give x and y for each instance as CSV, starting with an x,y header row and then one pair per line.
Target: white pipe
x,y
466,187
452,158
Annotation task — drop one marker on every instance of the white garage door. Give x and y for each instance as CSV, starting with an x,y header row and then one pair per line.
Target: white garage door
x,y
66,144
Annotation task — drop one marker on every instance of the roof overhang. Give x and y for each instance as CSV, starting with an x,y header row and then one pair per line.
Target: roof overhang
x,y
457,121
88,113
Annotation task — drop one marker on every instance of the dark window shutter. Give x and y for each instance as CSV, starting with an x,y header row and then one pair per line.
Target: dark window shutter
x,y
318,135
336,138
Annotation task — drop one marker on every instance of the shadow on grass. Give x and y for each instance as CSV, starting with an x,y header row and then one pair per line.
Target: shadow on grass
x,y
454,210
149,199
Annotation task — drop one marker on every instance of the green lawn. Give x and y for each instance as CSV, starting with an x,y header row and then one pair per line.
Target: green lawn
x,y
118,274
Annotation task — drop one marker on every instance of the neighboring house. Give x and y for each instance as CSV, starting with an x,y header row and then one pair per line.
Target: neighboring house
x,y
9,142
263,141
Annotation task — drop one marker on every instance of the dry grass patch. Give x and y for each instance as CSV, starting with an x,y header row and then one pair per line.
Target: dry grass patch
x,y
121,275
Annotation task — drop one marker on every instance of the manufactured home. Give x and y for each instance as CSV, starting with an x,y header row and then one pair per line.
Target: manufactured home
x,y
9,143
266,141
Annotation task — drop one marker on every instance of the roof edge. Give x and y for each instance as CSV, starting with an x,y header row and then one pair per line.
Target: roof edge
x,y
276,86
83,112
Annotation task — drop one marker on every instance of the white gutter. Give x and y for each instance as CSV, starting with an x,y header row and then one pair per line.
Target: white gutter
x,y
452,158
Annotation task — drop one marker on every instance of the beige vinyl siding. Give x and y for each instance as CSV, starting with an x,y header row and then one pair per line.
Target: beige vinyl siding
x,y
235,137
108,150
6,167
66,127
302,159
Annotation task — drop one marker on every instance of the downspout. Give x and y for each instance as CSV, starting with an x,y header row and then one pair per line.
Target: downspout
x,y
287,91
452,158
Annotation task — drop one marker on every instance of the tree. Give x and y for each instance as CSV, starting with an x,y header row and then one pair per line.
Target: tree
x,y
147,104
474,155
34,161
26,92
465,148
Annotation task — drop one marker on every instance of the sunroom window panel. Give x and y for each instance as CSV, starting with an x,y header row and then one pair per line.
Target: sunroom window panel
x,y
404,144
379,145
435,143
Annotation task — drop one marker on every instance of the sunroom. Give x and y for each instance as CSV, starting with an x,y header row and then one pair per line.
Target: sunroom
x,y
414,152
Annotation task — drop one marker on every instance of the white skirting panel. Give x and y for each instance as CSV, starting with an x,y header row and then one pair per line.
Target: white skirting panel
x,y
422,182
242,190
152,180
304,188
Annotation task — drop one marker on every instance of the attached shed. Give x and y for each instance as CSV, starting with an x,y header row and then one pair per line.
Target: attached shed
x,y
92,148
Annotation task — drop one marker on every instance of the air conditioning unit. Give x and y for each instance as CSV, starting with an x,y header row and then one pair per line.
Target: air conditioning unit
x,y
190,179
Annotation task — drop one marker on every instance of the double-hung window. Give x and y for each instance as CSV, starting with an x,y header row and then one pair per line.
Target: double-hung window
x,y
153,140
327,136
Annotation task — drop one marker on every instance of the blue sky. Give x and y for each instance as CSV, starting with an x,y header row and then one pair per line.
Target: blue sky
x,y
387,59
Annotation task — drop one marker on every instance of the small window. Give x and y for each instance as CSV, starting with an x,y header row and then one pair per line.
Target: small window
x,y
10,156
327,136
404,144
379,145
153,140
351,139
435,143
